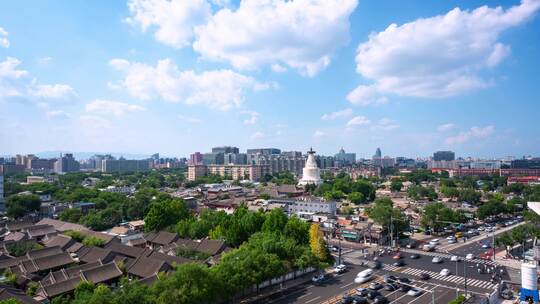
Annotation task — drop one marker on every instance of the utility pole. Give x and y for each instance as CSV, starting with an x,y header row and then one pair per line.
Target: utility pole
x,y
465,275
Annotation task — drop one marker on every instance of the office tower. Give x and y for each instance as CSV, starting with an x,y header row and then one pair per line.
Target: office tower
x,y
66,164
444,155
264,151
225,149
196,158
378,153
125,165
217,158
344,159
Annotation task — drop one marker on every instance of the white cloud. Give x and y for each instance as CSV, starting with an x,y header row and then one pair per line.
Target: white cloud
x,y
57,114
439,56
20,83
115,108
189,119
174,20
473,133
216,89
301,34
366,95
445,127
386,124
257,135
4,42
338,114
52,91
253,117
358,121
319,134
278,68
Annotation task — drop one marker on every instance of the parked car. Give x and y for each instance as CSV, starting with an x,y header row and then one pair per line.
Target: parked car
x,y
405,288
390,287
469,256
380,300
372,294
415,256
389,278
414,292
425,276
362,291
436,260
455,258
375,286
445,272
341,268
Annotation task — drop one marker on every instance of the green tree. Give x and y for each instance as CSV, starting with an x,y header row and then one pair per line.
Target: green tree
x,y
19,205
92,241
383,213
275,221
72,215
396,185
165,213
297,230
356,198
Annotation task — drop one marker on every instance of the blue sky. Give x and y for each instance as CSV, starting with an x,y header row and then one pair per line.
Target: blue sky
x,y
175,77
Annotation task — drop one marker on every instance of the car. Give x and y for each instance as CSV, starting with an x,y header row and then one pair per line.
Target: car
x,y
425,276
375,286
459,234
397,256
362,291
415,256
365,272
317,279
428,247
436,260
376,265
372,294
363,279
414,292
486,245
347,300
389,278
445,272
380,300
341,268
360,300
411,245
455,258
404,280
405,287
389,287
399,263
452,241
434,242
469,256
451,237
481,228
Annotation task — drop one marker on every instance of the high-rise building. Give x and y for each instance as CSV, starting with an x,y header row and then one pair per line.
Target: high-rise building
x,y
125,165
532,163
378,153
217,158
264,151
196,158
444,155
66,164
2,200
344,159
225,149
235,159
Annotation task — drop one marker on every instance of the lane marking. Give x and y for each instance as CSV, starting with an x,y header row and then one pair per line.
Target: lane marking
x,y
314,299
307,294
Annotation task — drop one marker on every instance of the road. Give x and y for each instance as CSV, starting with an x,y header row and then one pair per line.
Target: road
x,y
443,288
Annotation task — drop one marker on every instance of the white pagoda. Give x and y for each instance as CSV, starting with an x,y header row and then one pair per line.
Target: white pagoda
x,y
311,173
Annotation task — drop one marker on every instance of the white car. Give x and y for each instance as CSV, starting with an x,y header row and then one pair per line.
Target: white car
x,y
436,260
480,228
455,258
434,242
363,279
452,241
365,272
469,256
341,268
445,272
486,246
414,292
451,238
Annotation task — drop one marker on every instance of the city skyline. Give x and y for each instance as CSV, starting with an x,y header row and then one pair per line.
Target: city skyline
x,y
147,79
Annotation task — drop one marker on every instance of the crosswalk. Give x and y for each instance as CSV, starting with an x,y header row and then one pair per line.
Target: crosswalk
x,y
448,256
452,279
